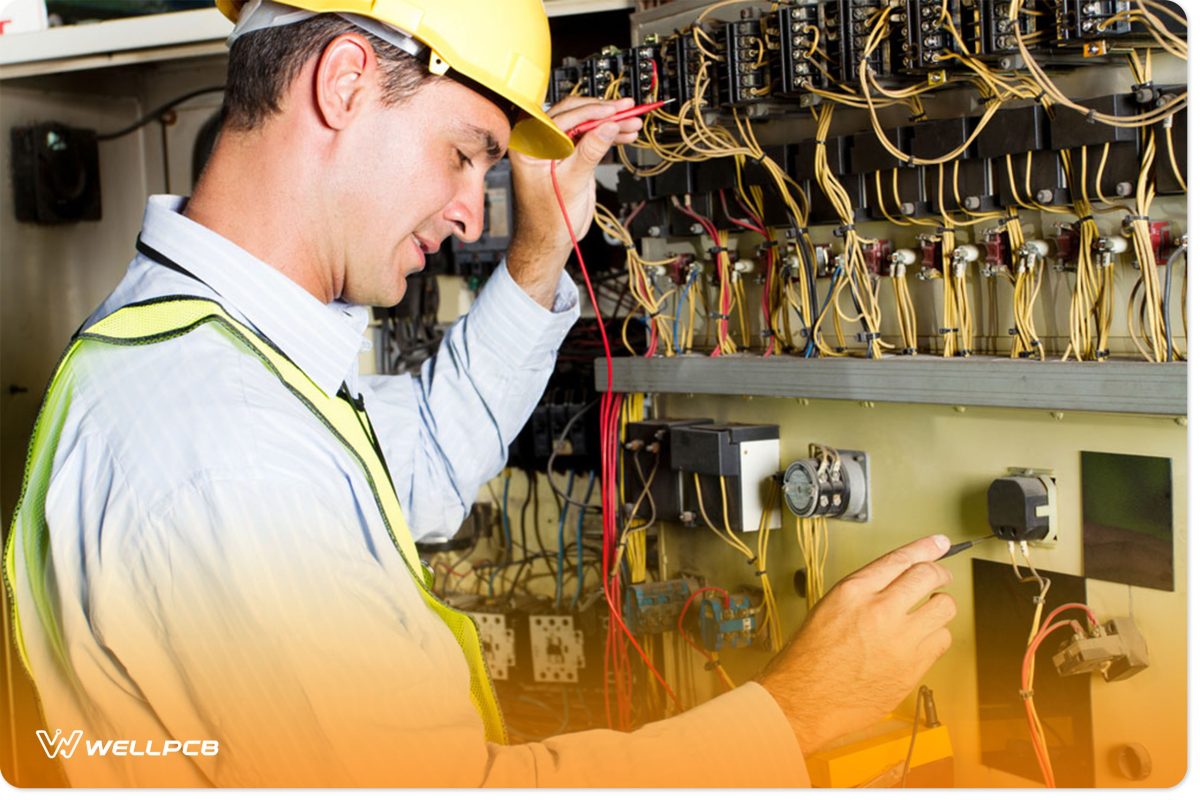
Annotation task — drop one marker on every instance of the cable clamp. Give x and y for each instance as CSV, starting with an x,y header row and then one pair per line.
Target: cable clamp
x,y
866,336
843,230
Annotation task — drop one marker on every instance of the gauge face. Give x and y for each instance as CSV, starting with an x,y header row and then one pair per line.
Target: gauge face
x,y
800,489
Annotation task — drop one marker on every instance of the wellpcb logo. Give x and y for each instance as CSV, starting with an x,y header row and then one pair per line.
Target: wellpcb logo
x,y
64,746
59,745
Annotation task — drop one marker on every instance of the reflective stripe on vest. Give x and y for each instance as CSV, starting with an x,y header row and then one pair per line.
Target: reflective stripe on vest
x,y
169,318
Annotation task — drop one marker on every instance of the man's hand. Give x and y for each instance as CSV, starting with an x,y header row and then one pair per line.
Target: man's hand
x,y
865,645
541,243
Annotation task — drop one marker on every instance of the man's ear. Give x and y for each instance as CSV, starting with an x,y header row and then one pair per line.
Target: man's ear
x,y
345,76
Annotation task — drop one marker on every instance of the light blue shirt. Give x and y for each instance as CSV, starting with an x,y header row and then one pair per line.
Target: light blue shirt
x,y
221,571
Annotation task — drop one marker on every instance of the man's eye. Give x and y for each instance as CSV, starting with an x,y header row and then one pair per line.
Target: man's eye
x,y
463,161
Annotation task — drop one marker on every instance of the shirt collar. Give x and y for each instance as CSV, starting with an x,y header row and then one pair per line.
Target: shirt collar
x,y
323,340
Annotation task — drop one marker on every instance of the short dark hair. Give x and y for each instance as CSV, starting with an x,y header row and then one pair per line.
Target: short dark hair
x,y
264,63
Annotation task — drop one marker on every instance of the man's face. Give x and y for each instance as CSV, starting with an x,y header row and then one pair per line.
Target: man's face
x,y
414,177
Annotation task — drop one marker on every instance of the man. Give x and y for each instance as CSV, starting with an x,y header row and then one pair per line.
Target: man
x,y
213,554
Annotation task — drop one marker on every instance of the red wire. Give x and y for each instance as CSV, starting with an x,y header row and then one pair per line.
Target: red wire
x,y
610,409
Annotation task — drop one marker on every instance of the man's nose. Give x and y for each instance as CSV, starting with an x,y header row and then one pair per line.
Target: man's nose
x,y
466,212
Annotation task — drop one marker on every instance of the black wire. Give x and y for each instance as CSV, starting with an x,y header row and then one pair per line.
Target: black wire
x,y
912,742
156,113
562,437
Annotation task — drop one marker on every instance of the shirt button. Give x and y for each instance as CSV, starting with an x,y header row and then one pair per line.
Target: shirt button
x,y
366,346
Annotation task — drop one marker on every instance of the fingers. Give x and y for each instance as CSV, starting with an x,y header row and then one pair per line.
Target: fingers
x,y
593,146
914,584
932,648
589,109
884,570
934,614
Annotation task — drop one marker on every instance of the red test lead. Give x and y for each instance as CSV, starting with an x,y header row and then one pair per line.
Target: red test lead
x,y
636,111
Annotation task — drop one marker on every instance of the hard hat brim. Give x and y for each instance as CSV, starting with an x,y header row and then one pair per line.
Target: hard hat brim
x,y
537,135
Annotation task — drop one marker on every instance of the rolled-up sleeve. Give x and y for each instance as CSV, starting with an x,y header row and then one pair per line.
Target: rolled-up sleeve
x,y
447,430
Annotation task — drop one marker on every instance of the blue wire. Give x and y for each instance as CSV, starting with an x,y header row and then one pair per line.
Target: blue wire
x,y
1166,311
579,539
832,282
562,521
507,536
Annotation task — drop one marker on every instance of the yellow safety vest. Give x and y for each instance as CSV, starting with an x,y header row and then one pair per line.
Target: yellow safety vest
x,y
346,420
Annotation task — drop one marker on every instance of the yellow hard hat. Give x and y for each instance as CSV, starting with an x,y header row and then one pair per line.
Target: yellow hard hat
x,y
502,46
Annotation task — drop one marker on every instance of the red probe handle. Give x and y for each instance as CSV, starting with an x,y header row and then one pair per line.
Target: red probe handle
x,y
636,111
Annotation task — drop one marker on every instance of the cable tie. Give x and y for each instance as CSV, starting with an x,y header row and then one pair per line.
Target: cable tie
x,y
1137,217
1039,600
866,336
712,665
908,351
922,116
820,142
760,573
910,161
1039,96
1102,353
752,560
839,349
1013,331
631,248
1037,342
1088,218
1012,218
843,230
1026,694
947,330
715,251
941,229
1090,116
722,317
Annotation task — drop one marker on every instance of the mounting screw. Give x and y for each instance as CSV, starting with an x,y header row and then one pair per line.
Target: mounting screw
x,y
960,409
972,203
654,231
1058,415
1044,196
696,228
1124,189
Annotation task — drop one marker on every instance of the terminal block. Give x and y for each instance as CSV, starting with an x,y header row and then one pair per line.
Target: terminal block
x,y
1080,20
746,69
643,73
797,27
927,41
655,607
831,483
1117,651
727,626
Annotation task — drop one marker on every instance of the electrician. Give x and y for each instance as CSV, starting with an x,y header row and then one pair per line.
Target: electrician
x,y
215,538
